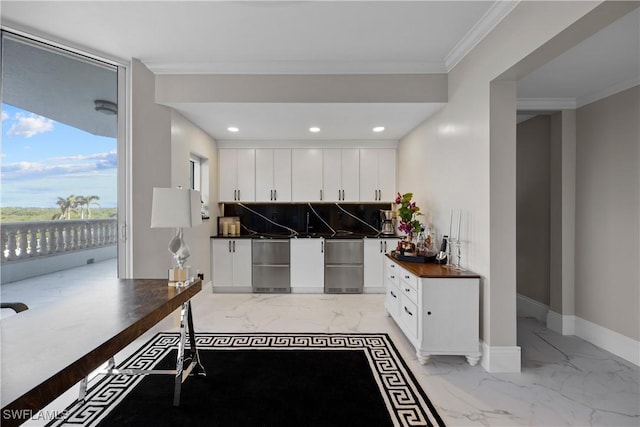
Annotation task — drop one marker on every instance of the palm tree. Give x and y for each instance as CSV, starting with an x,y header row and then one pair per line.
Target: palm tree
x,y
80,201
91,200
66,206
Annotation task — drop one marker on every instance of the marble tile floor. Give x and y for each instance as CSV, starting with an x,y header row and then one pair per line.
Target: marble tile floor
x,y
564,379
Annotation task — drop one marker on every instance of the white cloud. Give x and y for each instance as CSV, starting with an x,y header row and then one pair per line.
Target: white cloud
x,y
81,165
29,125
5,116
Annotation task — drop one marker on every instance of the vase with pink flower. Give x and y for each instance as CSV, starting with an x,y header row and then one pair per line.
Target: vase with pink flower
x,y
408,212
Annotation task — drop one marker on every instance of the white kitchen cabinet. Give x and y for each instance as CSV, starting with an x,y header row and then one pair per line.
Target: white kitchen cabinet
x,y
236,176
437,309
377,174
273,175
306,175
307,265
374,260
231,264
341,174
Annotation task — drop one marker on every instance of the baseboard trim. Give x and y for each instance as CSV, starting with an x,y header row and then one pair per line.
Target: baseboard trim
x,y
500,358
618,344
528,307
607,339
561,324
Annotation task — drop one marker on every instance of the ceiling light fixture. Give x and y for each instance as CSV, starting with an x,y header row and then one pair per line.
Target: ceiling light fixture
x,y
106,107
233,129
378,128
314,129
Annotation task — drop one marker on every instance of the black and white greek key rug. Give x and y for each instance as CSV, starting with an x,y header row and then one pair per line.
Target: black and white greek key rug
x,y
263,379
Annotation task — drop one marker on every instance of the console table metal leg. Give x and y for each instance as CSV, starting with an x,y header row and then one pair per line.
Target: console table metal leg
x,y
194,356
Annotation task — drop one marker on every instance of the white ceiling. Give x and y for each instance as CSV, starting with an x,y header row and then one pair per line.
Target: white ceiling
x,y
313,37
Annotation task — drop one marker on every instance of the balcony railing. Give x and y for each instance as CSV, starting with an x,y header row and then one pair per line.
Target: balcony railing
x,y
30,240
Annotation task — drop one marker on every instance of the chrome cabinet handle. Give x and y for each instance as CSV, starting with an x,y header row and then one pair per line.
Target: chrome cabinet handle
x,y
275,194
407,290
234,246
385,246
380,246
408,312
339,195
322,247
229,245
238,194
406,277
393,277
392,294
271,197
320,194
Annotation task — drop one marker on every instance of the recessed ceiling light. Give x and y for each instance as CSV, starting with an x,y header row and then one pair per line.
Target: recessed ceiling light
x,y
233,129
378,128
314,129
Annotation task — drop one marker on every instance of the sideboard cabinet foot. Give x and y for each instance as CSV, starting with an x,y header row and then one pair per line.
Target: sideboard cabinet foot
x,y
473,359
423,358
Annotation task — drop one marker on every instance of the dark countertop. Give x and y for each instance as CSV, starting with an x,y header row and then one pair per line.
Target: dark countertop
x,y
307,236
431,270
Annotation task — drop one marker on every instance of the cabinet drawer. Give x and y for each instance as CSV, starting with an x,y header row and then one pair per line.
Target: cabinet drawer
x,y
409,291
409,316
392,271
392,300
408,278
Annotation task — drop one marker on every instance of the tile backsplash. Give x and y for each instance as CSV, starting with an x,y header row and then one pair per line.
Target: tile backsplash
x,y
303,217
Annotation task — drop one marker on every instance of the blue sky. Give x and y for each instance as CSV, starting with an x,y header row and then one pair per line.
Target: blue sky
x,y
43,160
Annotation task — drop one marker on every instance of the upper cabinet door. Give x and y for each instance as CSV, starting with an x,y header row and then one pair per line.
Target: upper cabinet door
x,y
386,174
264,175
246,176
377,174
236,175
341,175
306,175
331,179
369,175
227,175
282,175
350,175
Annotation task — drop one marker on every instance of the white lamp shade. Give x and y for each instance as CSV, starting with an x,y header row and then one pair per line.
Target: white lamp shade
x,y
175,208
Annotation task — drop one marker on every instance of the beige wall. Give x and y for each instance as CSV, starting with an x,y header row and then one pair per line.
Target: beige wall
x,y
562,214
607,212
446,160
532,208
187,139
151,167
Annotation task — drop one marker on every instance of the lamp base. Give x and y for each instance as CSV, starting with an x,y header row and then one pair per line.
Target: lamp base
x,y
178,276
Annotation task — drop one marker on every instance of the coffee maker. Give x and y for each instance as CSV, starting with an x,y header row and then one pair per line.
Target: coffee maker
x,y
387,227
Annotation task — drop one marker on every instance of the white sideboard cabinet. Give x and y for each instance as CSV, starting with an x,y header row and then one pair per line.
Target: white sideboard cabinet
x,y
437,308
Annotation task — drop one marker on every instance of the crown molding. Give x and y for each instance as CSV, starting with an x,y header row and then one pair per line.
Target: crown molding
x,y
535,104
306,143
611,90
297,67
485,24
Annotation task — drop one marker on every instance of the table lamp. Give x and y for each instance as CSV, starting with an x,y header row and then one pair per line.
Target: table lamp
x,y
176,208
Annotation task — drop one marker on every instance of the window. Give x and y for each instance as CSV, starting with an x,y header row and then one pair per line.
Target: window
x,y
60,151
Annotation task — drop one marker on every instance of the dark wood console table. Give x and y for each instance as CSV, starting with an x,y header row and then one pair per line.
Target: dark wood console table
x,y
46,351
